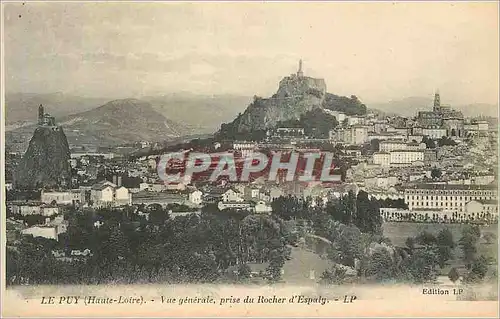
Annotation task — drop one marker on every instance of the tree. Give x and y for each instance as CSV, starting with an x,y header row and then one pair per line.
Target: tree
x,y
410,243
244,271
336,275
490,238
478,270
421,266
445,246
375,144
436,173
347,246
367,216
446,141
380,266
470,236
429,143
426,238
350,106
453,274
157,215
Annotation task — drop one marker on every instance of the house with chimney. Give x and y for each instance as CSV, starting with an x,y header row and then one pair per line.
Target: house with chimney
x,y
107,194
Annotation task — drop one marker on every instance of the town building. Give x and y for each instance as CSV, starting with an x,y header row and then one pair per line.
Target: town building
x,y
289,132
447,197
444,117
234,205
382,158
244,147
232,195
434,133
355,120
196,197
406,157
392,145
107,194
32,208
262,207
387,136
354,135
49,232
70,197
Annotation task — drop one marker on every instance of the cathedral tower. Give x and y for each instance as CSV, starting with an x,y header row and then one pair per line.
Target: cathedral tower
x,y
437,101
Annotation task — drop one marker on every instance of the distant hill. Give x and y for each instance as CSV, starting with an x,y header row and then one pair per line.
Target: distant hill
x,y
411,105
204,113
21,108
116,122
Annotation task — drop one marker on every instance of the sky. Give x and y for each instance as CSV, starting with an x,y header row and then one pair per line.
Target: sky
x,y
377,51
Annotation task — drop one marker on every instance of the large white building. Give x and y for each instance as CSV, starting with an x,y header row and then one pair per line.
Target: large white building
x,y
232,195
387,136
434,133
406,157
447,197
246,148
354,135
382,158
355,120
398,158
391,145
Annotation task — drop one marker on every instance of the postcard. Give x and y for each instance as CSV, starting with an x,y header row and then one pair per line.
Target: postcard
x,y
249,159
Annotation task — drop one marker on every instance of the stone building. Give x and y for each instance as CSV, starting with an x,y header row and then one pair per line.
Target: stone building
x,y
447,197
442,117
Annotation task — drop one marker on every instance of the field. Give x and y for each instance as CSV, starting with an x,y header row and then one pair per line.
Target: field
x,y
399,232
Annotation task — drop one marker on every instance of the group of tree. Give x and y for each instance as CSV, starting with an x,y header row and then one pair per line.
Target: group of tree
x,y
129,248
436,173
348,105
146,244
443,141
393,203
446,141
316,123
429,143
350,209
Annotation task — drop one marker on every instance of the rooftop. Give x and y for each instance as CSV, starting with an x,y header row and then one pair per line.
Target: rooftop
x,y
452,186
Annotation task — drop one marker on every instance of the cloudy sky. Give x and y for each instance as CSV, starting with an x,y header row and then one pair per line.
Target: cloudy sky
x,y
378,51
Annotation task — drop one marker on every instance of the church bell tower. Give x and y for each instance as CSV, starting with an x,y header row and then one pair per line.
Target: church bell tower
x,y
40,114
437,101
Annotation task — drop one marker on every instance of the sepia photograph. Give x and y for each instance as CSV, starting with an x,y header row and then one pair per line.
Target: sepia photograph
x,y
249,159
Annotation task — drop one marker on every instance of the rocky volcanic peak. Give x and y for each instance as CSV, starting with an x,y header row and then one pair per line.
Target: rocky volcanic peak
x,y
46,161
295,96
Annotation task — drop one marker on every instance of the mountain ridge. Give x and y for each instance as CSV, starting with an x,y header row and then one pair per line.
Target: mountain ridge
x,y
116,122
410,106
